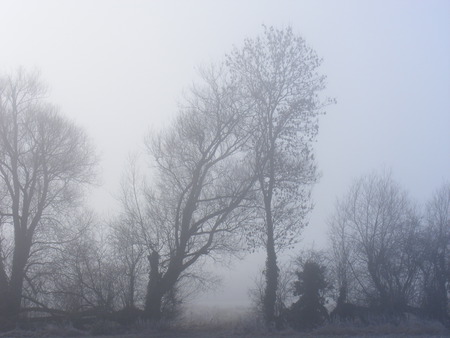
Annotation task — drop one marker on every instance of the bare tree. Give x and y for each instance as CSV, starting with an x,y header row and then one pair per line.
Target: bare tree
x,y
84,275
277,74
341,252
199,189
374,234
436,263
129,255
44,160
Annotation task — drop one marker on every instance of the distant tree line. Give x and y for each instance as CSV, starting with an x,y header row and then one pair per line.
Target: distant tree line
x,y
232,172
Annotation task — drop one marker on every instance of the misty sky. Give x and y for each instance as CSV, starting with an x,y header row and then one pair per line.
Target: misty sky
x,y
119,69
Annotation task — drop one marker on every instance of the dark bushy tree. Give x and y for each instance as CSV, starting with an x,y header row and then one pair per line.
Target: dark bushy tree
x,y
309,311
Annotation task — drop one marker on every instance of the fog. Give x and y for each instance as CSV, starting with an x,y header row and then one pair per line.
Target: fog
x,y
120,68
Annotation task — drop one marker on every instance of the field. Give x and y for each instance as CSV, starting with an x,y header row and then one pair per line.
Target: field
x,y
216,322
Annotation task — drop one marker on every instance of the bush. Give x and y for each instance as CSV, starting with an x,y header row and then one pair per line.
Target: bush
x,y
309,311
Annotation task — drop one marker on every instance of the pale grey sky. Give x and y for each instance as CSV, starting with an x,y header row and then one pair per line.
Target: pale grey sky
x,y
118,68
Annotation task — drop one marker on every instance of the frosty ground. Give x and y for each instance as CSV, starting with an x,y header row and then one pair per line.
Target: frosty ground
x,y
217,322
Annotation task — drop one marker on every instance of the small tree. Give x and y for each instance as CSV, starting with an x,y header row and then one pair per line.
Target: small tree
x,y
129,255
84,276
309,311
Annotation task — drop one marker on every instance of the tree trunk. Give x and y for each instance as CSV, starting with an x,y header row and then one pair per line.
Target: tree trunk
x,y
154,296
442,289
153,305
131,289
271,278
4,286
14,295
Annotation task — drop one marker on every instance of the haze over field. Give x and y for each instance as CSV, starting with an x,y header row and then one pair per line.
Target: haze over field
x,y
118,69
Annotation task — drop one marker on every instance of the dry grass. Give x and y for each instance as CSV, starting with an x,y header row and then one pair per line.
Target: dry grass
x,y
216,322
411,326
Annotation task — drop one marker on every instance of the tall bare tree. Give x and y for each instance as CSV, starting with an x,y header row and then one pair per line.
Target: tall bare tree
x,y
44,161
277,73
199,189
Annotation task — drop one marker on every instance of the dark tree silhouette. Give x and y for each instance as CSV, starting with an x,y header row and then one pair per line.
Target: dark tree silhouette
x,y
309,311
